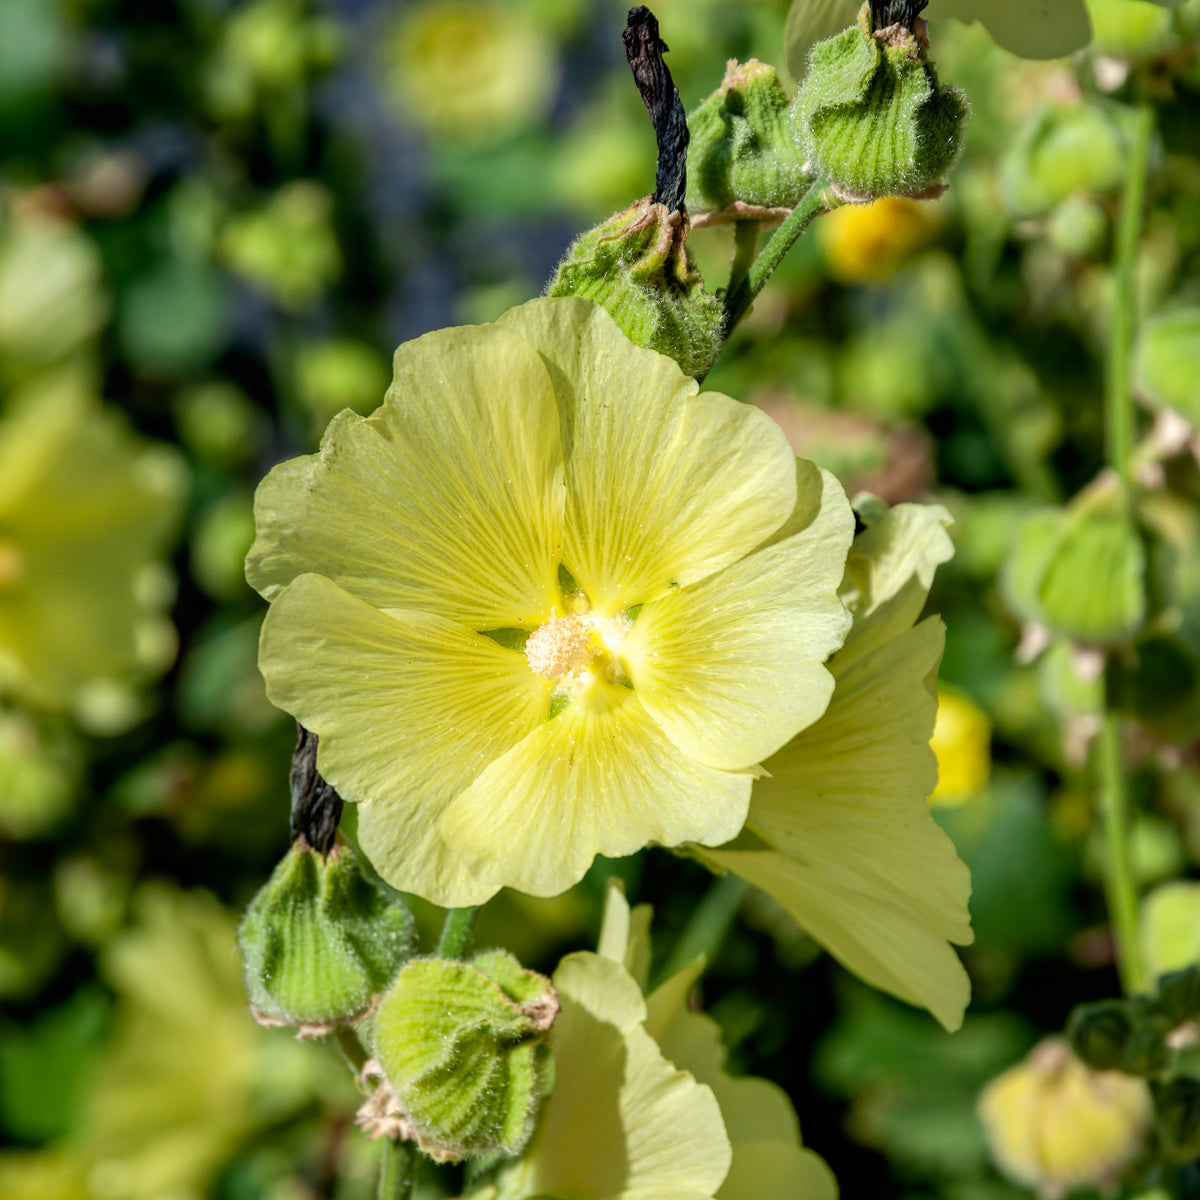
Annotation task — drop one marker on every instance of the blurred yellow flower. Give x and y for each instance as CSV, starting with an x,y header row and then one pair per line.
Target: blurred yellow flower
x,y
85,510
1054,1124
474,70
546,603
868,243
839,830
961,740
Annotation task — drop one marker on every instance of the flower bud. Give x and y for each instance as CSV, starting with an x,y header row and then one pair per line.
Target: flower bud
x,y
1054,1125
638,267
465,1050
321,941
742,161
1100,1033
872,115
1179,995
1177,1107
1081,571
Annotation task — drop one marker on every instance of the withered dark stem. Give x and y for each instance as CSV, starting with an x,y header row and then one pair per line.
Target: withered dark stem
x,y
895,12
644,50
316,807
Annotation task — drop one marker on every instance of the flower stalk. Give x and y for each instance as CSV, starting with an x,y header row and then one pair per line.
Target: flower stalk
x,y
456,932
397,1170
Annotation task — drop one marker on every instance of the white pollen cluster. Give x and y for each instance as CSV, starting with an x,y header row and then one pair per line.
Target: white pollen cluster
x,y
562,646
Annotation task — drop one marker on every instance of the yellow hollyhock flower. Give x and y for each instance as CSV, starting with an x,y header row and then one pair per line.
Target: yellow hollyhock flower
x,y
768,1161
839,829
547,602
85,509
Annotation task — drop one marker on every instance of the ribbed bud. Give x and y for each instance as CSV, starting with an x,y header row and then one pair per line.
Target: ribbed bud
x,y
1177,1107
638,267
1179,995
743,163
872,115
1100,1033
321,942
1081,571
465,1051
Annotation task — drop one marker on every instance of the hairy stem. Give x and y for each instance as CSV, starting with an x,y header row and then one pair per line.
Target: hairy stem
x,y
397,1170
745,242
739,298
456,932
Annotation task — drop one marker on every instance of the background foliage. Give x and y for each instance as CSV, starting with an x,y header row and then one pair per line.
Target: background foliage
x,y
217,221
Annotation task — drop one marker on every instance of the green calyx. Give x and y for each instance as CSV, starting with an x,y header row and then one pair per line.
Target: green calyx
x,y
638,267
321,941
872,115
743,163
1081,571
465,1050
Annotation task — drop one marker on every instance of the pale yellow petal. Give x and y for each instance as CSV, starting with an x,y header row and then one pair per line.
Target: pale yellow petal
x,y
622,1123
409,708
891,567
588,782
769,1162
664,486
732,667
448,499
854,854
625,932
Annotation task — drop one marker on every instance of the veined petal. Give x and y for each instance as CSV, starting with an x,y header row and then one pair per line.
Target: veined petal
x,y
448,499
664,486
588,782
622,1123
854,854
731,667
409,708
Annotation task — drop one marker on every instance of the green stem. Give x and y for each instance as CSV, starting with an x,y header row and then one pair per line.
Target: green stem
x,y
708,926
456,932
1118,402
397,1170
738,299
1119,886
351,1048
745,242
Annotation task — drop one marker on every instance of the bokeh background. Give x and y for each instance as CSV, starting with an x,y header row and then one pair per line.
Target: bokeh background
x,y
218,218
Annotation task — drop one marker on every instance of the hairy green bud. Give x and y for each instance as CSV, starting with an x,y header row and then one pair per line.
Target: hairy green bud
x,y
1179,995
464,1048
321,941
638,267
743,163
872,115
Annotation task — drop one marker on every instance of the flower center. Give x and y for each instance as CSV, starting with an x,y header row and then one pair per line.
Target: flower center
x,y
562,646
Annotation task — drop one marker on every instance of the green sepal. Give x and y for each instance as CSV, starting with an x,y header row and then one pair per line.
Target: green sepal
x,y
1179,995
465,1048
1061,152
873,116
743,163
1177,1113
1166,364
1100,1033
637,265
1081,571
321,941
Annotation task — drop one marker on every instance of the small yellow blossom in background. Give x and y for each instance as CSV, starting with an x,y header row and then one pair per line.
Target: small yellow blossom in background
x,y
868,243
769,1160
473,70
1054,1125
962,739
86,508
839,830
547,603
